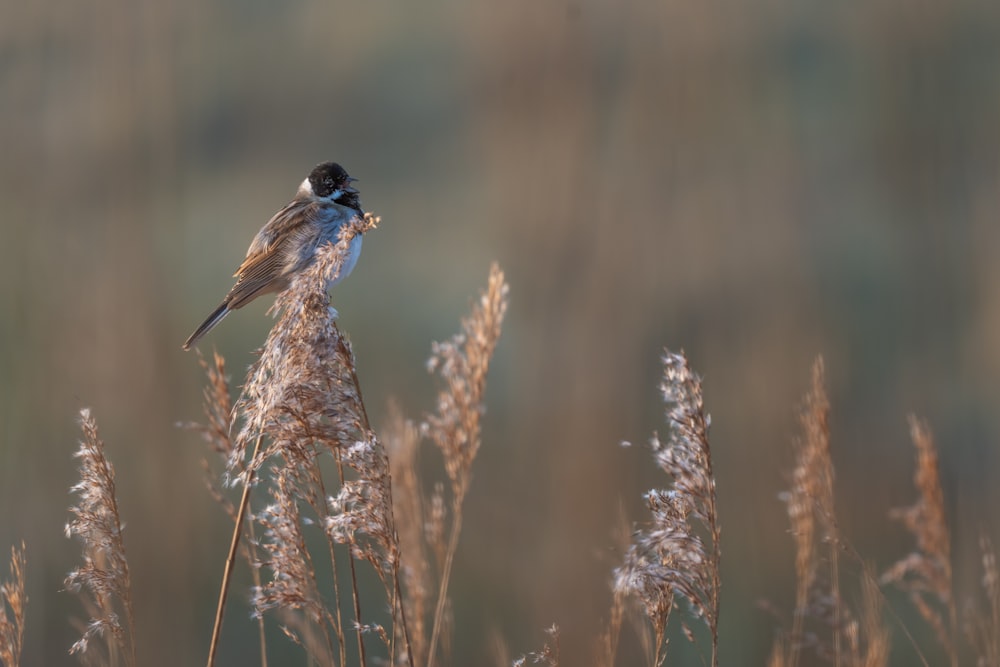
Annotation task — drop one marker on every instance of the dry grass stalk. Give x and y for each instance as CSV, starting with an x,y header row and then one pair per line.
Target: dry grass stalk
x,y
284,398
215,431
779,653
217,407
499,651
679,553
302,404
866,640
607,644
402,438
607,647
15,599
218,410
836,633
926,573
983,628
103,580
292,585
435,524
810,506
462,363
871,646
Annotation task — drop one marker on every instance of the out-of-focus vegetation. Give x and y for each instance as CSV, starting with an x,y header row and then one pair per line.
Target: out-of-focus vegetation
x,y
755,183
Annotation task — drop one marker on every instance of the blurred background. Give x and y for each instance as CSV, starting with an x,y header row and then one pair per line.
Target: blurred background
x,y
754,183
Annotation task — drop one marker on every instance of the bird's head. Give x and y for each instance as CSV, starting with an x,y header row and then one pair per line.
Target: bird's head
x,y
331,182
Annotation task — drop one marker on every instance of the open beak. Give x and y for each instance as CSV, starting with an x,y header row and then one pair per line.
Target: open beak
x,y
348,188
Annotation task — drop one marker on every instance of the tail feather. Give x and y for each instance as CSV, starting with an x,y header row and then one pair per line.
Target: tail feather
x,y
217,315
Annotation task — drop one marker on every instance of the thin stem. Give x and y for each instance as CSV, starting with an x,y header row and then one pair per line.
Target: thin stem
x,y
397,593
255,575
336,620
456,528
129,614
231,558
853,553
835,589
661,649
716,579
354,579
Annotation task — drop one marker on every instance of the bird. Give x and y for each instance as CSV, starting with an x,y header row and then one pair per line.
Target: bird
x,y
286,245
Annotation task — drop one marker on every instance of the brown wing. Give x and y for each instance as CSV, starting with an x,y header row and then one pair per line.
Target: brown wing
x,y
263,276
294,214
267,259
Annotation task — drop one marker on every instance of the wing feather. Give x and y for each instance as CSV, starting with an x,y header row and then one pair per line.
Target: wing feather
x,y
272,253
297,213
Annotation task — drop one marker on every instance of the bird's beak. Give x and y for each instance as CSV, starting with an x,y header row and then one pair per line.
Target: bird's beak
x,y
348,188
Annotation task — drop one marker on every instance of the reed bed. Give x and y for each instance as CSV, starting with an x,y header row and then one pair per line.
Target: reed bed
x,y
323,504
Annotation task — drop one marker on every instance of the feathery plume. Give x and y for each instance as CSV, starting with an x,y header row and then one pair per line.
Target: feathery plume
x,y
300,387
983,628
302,402
14,598
926,573
678,554
402,439
810,506
821,620
103,580
462,363
292,585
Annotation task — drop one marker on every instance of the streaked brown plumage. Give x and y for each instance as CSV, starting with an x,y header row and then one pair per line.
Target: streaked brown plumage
x,y
287,243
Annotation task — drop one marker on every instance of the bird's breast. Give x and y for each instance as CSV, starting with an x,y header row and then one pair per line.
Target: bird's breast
x,y
353,253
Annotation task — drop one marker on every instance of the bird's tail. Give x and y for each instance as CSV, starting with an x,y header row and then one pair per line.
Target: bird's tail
x,y
208,324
